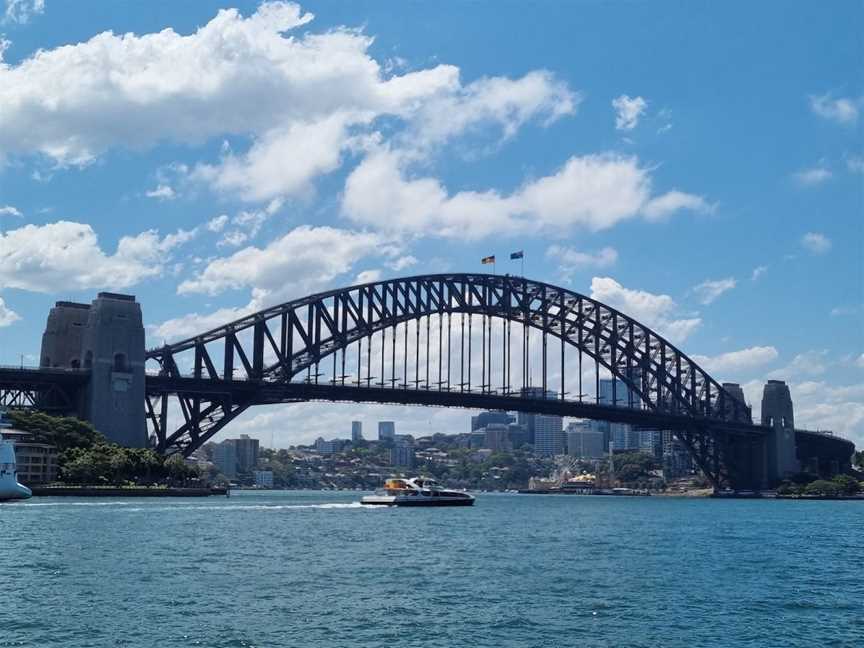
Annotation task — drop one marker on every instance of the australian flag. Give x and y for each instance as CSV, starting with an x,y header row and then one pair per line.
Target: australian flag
x,y
517,255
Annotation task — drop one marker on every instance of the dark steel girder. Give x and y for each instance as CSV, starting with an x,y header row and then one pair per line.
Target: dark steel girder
x,y
275,347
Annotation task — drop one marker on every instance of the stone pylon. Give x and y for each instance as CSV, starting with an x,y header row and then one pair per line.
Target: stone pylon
x,y
777,413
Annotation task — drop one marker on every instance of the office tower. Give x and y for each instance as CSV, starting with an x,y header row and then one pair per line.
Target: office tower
x,y
485,418
529,420
497,437
247,452
356,431
225,458
386,430
584,442
402,452
548,435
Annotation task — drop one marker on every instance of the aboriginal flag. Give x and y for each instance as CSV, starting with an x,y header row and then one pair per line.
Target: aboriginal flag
x,y
489,259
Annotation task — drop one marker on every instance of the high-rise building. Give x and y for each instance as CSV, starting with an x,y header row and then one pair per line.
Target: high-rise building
x,y
402,452
529,420
386,430
477,439
615,392
247,452
518,435
548,435
225,458
356,431
651,442
677,461
584,442
485,418
497,437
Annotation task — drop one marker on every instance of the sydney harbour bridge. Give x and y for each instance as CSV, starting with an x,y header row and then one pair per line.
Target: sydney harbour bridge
x,y
451,340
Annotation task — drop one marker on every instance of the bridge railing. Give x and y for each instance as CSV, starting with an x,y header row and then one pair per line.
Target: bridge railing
x,y
35,369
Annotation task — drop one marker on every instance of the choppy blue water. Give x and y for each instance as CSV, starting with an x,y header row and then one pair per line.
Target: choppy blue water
x,y
316,570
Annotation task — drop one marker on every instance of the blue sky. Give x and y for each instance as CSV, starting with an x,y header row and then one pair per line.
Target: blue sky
x,y
698,165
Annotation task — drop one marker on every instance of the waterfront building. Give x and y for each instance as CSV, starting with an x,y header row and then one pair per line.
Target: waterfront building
x,y
677,461
225,458
356,431
485,418
386,430
584,442
263,478
36,461
247,453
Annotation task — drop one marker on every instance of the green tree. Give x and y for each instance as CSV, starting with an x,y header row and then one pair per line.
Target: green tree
x,y
847,484
789,488
178,471
63,432
823,487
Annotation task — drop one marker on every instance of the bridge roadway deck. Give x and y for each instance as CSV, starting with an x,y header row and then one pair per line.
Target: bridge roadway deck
x,y
33,379
265,393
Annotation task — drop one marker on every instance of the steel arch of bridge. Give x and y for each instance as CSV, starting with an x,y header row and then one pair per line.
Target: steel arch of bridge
x,y
279,353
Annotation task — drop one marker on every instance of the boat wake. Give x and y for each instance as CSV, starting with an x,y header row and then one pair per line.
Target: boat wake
x,y
161,506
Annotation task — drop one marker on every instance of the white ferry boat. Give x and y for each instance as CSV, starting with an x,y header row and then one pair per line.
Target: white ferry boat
x,y
419,491
10,489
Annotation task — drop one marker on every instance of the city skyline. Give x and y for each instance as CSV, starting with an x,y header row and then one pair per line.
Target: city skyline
x,y
709,220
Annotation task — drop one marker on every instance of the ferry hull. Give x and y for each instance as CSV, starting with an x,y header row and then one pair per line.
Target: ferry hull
x,y
414,501
13,491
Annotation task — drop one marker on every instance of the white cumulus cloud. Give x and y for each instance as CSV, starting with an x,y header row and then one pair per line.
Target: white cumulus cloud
x,y
816,243
21,11
7,315
812,177
300,99
658,312
9,210
842,110
709,290
303,261
591,191
67,256
217,224
728,365
570,259
628,111
162,192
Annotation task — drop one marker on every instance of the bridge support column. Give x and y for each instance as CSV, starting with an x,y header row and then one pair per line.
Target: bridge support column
x,y
781,449
105,338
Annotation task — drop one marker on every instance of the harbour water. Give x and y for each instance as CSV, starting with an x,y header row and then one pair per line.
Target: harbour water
x,y
316,569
